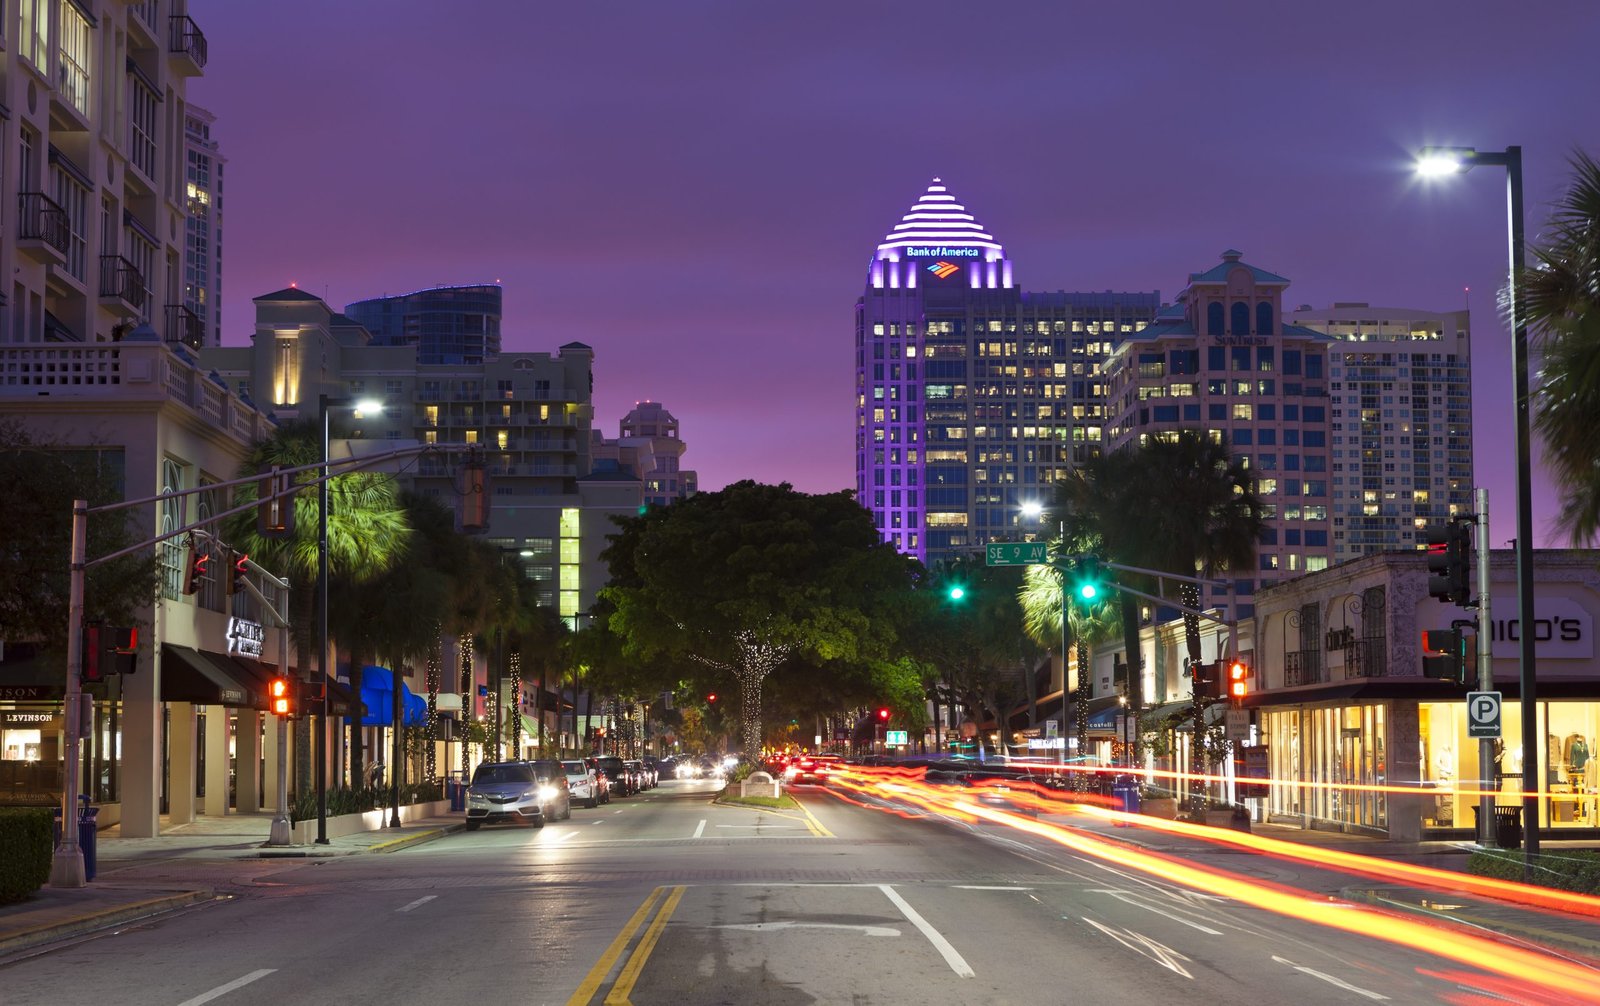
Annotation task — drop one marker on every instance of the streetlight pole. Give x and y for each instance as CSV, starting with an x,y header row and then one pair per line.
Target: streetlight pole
x,y
322,629
1452,160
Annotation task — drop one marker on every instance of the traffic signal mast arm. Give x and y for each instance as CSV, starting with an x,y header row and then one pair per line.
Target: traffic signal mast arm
x,y
1232,624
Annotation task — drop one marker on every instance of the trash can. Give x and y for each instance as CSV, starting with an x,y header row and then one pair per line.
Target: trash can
x,y
1507,825
458,792
1125,797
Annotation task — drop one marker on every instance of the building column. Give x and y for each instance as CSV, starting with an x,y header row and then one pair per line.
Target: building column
x,y
1403,753
217,767
140,782
269,775
247,761
181,759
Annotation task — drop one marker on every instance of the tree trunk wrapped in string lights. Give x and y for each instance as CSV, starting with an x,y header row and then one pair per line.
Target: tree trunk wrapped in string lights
x,y
467,704
429,753
1190,594
757,658
516,707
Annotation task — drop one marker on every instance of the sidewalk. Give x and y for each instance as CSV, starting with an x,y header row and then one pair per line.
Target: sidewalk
x,y
130,883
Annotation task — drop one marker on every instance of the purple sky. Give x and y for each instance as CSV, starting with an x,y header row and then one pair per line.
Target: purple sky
x,y
695,189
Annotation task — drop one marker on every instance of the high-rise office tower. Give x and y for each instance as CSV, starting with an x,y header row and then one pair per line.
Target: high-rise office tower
x,y
202,246
448,325
972,396
1400,422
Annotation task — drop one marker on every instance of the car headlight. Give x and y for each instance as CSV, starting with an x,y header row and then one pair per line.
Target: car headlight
x,y
546,794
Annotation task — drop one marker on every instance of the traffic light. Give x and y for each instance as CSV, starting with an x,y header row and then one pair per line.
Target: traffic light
x,y
93,671
1449,563
1444,655
196,567
712,698
275,511
1238,682
280,697
956,592
237,572
883,715
1207,680
1086,583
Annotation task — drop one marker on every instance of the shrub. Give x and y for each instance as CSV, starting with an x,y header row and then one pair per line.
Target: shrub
x,y
1578,870
741,772
360,799
25,852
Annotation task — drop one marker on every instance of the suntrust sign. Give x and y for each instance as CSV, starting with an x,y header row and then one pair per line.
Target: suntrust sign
x,y
941,251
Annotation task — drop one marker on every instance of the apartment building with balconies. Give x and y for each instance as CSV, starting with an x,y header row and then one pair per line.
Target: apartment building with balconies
x,y
202,252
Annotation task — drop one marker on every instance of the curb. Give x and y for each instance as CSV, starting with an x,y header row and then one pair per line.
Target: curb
x,y
100,920
1499,927
419,838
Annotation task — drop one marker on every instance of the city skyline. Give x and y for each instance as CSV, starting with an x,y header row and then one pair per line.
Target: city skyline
x,y
702,210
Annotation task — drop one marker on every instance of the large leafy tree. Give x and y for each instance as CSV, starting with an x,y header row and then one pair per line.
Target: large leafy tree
x,y
745,578
1563,313
367,532
35,555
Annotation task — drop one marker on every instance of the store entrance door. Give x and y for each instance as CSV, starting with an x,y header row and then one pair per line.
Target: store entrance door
x,y
1348,810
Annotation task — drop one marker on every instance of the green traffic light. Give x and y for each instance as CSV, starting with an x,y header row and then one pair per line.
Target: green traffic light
x,y
1088,591
957,592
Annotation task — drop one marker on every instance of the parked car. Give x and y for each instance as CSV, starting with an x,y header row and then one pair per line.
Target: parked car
x,y
640,773
623,783
520,792
582,782
604,783
657,773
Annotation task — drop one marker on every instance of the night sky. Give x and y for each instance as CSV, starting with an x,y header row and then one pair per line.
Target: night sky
x,y
695,189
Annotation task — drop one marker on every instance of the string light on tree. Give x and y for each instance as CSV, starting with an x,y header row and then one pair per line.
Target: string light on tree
x,y
467,702
433,709
516,705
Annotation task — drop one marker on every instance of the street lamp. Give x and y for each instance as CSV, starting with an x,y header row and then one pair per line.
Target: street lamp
x,y
1439,161
324,403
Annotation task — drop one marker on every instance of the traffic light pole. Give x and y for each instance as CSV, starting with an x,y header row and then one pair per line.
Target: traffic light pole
x,y
1486,783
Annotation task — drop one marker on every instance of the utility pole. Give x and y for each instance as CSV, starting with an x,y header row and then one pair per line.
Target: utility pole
x,y
1487,784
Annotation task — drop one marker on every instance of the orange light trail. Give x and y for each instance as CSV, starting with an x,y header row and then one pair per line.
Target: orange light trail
x,y
1556,979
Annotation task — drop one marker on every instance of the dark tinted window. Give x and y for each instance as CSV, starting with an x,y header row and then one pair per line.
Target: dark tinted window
x,y
492,774
548,769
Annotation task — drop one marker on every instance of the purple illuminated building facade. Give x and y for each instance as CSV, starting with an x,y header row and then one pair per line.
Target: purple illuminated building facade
x,y
972,396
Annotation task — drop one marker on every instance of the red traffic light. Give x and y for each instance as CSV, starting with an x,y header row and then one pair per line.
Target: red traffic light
x,y
883,714
279,701
197,568
1238,683
712,697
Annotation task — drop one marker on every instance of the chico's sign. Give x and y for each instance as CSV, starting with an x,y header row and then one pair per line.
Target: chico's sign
x,y
1562,629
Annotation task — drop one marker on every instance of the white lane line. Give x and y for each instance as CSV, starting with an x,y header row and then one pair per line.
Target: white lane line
x,y
1330,979
953,958
562,837
597,822
1131,898
222,990
985,887
417,903
700,829
619,810
772,927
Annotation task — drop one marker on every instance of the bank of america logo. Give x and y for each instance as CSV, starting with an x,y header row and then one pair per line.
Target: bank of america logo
x,y
944,270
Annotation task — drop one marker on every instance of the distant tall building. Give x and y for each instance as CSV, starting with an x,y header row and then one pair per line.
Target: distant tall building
x,y
972,396
1400,394
202,244
649,446
448,325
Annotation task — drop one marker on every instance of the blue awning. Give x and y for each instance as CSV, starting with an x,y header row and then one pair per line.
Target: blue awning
x,y
377,695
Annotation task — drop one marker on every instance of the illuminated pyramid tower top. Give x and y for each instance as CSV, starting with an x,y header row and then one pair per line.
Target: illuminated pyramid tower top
x,y
938,233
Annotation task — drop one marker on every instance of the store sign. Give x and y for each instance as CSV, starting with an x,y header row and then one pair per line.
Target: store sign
x,y
25,719
245,637
1562,629
941,251
22,692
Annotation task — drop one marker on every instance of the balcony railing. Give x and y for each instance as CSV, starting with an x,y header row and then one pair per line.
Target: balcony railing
x,y
187,38
1302,667
1366,658
121,279
42,219
184,326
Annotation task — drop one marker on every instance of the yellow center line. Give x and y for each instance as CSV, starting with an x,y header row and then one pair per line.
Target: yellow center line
x,y
817,827
630,971
602,967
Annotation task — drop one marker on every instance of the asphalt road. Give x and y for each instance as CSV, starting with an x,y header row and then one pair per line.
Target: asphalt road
x,y
664,898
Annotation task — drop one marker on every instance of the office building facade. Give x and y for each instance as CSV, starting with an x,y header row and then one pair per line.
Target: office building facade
x,y
972,396
447,325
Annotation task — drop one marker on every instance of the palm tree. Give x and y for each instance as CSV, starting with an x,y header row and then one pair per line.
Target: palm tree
x,y
366,531
1563,313
1043,600
1179,504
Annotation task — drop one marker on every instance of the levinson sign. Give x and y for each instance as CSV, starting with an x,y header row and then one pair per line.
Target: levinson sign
x,y
941,251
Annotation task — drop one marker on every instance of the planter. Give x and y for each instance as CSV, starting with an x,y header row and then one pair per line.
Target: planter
x,y
1161,806
304,832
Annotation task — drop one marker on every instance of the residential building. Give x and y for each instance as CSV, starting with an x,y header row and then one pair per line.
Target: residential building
x,y
972,396
1222,361
649,446
446,324
1400,422
202,250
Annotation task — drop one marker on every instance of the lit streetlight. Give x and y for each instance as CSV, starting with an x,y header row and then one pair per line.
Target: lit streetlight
x,y
1435,162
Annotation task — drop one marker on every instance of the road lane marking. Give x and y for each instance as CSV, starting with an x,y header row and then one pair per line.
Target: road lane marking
x,y
629,975
773,826
1144,945
561,837
1330,979
1130,898
597,822
767,927
957,963
700,829
817,827
986,887
222,990
602,967
418,903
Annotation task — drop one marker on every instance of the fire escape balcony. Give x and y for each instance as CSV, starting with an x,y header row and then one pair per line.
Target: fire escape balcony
x,y
183,327
121,286
188,43
44,232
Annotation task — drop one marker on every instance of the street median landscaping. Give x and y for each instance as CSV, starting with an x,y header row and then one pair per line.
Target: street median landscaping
x,y
730,797
1578,870
25,852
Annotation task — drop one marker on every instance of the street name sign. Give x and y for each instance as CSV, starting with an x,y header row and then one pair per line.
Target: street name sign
x,y
1483,714
900,737
1015,553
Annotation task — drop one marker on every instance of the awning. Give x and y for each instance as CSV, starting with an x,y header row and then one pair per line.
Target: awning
x,y
377,696
1180,715
189,675
1355,690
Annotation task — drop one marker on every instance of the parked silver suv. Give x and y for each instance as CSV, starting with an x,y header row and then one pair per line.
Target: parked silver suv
x,y
517,791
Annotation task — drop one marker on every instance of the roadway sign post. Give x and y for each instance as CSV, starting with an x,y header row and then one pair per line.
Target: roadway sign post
x,y
1015,553
1483,714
